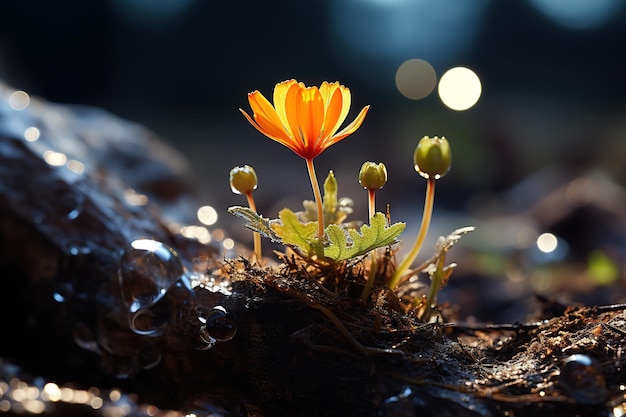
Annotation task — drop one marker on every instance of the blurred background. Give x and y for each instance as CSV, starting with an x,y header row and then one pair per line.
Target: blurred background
x,y
531,95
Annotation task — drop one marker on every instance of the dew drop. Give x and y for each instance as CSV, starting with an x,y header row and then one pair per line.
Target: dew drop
x,y
149,321
205,341
220,324
85,338
147,270
582,379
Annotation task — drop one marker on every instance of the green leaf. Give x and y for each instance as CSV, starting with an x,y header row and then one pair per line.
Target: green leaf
x,y
295,233
348,244
255,222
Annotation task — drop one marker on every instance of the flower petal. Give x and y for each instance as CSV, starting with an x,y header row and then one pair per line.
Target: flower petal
x,y
348,130
280,94
261,106
269,130
333,117
310,113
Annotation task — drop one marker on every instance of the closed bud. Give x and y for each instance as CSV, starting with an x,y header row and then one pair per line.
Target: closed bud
x,y
243,179
373,176
432,157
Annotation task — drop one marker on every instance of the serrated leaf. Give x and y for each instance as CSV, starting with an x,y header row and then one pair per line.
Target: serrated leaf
x,y
345,245
295,233
255,222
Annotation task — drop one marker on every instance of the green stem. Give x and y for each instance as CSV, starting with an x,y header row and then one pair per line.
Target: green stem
x,y
372,274
318,198
421,235
256,236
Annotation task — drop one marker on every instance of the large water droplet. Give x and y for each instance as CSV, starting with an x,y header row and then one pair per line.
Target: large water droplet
x,y
146,272
220,324
148,322
583,380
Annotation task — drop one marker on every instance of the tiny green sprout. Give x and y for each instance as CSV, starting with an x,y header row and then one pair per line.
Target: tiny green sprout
x,y
372,177
243,180
432,160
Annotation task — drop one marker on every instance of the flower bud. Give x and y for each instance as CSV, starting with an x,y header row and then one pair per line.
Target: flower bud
x,y
243,179
432,157
373,176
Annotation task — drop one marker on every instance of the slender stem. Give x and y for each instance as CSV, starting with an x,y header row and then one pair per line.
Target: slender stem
x,y
421,235
371,202
318,198
256,236
373,268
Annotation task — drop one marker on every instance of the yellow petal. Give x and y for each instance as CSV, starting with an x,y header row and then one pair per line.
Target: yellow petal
x,y
280,95
332,119
350,129
269,130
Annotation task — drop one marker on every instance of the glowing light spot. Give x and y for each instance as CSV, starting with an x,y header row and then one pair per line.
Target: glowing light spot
x,y
218,234
415,79
228,243
200,233
96,403
579,14
55,159
134,198
75,166
31,134
547,242
52,392
19,100
459,88
207,215
115,395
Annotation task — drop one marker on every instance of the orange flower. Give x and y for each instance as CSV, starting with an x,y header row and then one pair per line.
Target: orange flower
x,y
304,119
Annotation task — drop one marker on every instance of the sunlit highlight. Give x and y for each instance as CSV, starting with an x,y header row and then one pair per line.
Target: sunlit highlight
x,y
415,79
228,243
134,198
31,134
547,243
579,14
55,159
460,88
19,100
75,166
207,215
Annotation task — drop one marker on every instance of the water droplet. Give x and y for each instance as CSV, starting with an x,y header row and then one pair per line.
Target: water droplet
x,y
150,321
149,356
582,379
205,341
146,272
85,337
220,324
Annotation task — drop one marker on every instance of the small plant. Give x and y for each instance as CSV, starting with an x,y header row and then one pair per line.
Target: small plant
x,y
307,120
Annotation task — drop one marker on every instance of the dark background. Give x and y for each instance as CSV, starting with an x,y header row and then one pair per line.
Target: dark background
x,y
553,96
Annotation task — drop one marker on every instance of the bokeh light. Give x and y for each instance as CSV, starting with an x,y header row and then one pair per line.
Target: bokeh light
x,y
207,215
547,242
460,88
19,100
579,14
416,79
